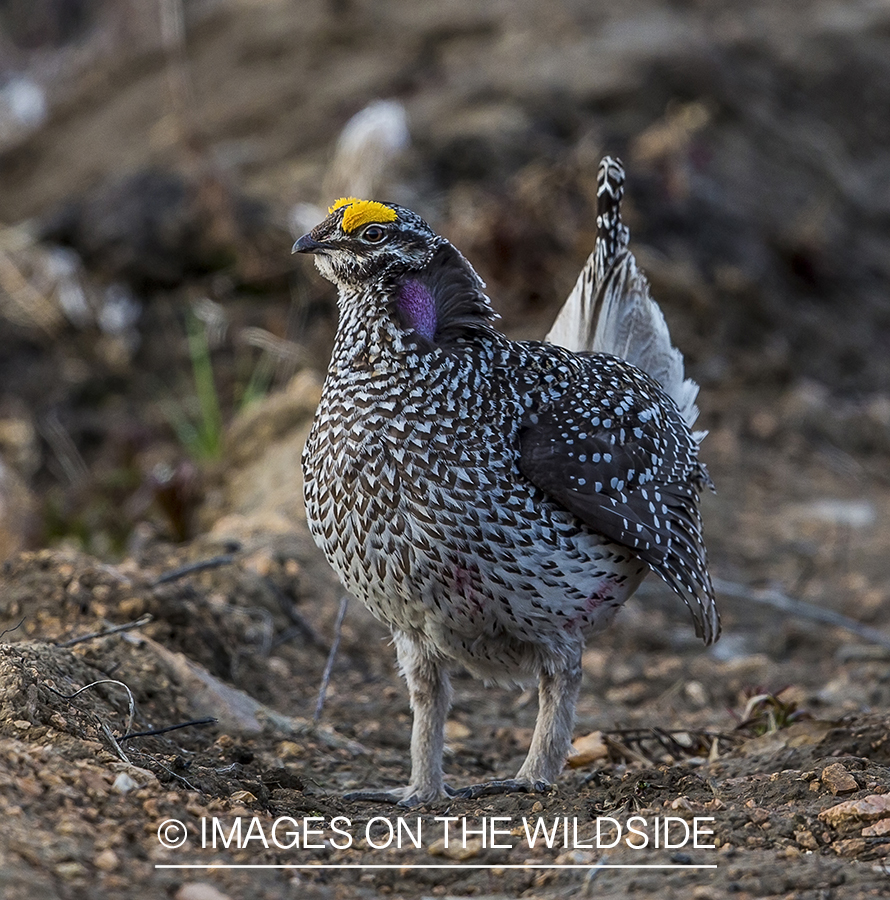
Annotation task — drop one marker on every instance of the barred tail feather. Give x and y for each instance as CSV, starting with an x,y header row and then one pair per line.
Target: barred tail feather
x,y
610,309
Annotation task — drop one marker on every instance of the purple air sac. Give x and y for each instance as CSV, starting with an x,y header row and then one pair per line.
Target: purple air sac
x,y
418,309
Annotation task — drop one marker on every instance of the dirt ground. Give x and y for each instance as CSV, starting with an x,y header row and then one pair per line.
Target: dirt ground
x,y
158,573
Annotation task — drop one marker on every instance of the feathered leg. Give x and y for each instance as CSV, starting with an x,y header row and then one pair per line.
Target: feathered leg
x,y
557,696
552,740
429,688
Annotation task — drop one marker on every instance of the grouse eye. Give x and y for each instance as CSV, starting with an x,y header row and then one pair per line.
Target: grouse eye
x,y
373,234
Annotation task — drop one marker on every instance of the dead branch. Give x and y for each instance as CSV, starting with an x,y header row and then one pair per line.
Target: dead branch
x,y
214,562
86,687
802,610
329,665
127,626
14,627
209,720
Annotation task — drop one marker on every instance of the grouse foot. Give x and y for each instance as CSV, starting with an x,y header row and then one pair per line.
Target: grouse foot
x,y
509,786
406,798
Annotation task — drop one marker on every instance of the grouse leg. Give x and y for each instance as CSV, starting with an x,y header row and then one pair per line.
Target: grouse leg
x,y
429,688
552,739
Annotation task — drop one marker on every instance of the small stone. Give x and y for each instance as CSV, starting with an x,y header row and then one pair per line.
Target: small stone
x,y
695,692
456,731
123,784
806,839
107,860
456,850
577,858
70,870
261,562
851,847
289,749
874,806
199,890
878,829
588,748
132,607
838,780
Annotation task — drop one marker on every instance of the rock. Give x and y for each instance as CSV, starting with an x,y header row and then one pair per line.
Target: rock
x,y
588,749
290,750
838,780
878,829
23,109
851,847
200,890
107,860
875,806
455,849
456,731
68,871
123,784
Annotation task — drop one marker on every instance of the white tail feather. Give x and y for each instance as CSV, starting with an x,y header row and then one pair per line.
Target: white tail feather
x,y
610,309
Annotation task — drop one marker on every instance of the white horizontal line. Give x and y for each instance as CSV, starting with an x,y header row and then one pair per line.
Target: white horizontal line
x,y
445,866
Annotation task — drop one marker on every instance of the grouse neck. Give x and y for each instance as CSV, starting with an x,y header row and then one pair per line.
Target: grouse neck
x,y
368,336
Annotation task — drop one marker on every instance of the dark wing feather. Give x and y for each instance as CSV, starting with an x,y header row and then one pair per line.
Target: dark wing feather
x,y
623,460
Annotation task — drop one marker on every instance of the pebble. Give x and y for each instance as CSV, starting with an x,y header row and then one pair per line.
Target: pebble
x,y
588,749
848,513
851,847
455,849
289,749
107,860
838,780
456,731
806,839
123,784
200,890
70,870
878,829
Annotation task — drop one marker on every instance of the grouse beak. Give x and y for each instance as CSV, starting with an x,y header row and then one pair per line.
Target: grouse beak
x,y
307,244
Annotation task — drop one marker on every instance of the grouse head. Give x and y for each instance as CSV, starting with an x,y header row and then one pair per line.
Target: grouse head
x,y
389,258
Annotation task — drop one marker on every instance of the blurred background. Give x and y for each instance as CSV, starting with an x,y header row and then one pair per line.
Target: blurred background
x,y
158,158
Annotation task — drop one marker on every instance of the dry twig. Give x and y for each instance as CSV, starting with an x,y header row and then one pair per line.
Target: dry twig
x,y
209,720
329,665
86,687
127,626
201,565
14,627
802,610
